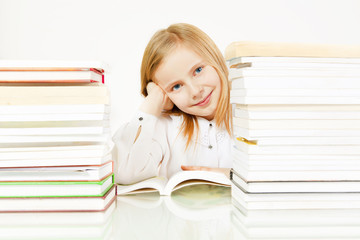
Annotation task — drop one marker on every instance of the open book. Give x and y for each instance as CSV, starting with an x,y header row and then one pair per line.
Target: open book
x,y
181,179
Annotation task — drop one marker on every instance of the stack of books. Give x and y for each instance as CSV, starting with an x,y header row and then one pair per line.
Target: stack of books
x,y
54,137
297,125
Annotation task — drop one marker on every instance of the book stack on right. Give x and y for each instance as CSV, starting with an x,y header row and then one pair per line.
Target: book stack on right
x,y
296,124
54,137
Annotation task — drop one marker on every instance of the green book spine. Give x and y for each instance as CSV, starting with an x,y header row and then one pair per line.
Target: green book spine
x,y
34,184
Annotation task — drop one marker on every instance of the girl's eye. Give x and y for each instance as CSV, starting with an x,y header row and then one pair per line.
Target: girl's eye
x,y
198,70
176,87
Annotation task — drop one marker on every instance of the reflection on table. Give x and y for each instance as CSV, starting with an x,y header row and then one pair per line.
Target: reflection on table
x,y
57,225
294,223
196,212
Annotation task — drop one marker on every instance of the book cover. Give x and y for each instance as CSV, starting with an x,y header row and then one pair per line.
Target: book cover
x,y
295,82
283,49
59,204
58,151
351,149
19,100
297,100
252,134
46,90
56,162
55,189
55,109
310,186
294,92
295,114
57,174
281,124
36,67
52,76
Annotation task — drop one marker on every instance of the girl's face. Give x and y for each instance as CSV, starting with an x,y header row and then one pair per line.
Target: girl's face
x,y
190,83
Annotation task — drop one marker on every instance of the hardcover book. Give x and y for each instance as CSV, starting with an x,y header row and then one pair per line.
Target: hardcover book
x,y
58,204
55,189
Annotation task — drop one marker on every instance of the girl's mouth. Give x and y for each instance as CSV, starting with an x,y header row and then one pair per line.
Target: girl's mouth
x,y
205,101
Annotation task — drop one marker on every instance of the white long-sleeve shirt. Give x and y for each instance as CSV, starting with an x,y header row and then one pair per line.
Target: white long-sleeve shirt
x,y
159,149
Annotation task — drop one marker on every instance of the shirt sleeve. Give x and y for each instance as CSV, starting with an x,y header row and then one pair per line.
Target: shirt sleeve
x,y
141,146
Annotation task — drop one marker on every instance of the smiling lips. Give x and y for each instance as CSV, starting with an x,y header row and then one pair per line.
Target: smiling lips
x,y
205,101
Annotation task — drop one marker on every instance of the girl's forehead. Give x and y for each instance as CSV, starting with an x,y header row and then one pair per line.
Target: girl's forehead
x,y
178,63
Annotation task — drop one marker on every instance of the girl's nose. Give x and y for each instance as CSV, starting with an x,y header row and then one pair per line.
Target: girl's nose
x,y
196,91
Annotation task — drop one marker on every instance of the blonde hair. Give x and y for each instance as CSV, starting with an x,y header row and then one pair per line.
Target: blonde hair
x,y
166,40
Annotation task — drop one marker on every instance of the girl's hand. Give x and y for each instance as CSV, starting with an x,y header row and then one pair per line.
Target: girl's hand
x,y
156,101
225,171
153,88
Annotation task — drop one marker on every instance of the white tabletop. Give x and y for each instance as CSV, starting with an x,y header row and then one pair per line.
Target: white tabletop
x,y
197,212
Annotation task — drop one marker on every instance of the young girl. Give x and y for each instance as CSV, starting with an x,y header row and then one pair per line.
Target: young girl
x,y
184,122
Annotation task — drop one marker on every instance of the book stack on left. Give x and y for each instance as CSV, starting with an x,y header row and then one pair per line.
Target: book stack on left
x,y
54,137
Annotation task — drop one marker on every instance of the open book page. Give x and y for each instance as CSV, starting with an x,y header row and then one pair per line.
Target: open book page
x,y
187,178
178,180
155,184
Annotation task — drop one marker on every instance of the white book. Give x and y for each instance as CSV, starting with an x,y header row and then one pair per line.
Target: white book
x,y
292,64
255,134
307,124
353,166
65,173
16,100
53,117
293,72
53,131
54,127
289,162
295,100
50,64
58,204
298,107
301,141
55,189
55,109
61,152
46,90
295,187
314,61
287,115
294,92
305,175
55,162
293,196
294,82
99,138
300,150
291,159
51,76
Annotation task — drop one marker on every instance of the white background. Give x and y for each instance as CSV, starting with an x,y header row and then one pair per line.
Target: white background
x,y
116,31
